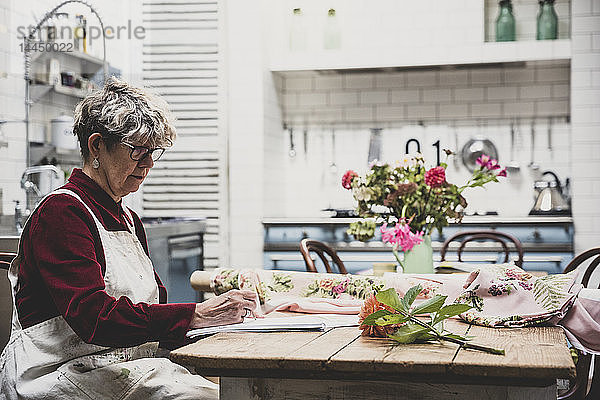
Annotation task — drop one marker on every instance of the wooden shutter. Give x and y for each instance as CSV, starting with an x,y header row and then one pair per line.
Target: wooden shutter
x,y
181,63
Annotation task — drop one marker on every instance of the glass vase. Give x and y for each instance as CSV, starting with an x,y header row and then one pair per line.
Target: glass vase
x,y
419,260
547,21
505,23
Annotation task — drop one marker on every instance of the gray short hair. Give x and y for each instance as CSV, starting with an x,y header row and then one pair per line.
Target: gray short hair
x,y
122,112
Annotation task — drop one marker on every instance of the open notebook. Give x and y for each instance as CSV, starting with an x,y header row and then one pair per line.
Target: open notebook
x,y
318,322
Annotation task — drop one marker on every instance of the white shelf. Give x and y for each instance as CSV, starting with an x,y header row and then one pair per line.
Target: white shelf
x,y
87,64
485,53
39,90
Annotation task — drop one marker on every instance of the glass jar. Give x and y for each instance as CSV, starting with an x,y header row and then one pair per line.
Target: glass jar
x,y
505,23
547,21
331,37
297,31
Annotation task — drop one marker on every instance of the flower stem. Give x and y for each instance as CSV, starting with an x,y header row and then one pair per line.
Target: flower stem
x,y
439,336
395,251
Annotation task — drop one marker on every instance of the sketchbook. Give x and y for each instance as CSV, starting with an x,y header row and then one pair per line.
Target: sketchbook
x,y
314,322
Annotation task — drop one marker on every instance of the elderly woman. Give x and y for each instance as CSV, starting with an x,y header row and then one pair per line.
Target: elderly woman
x,y
90,310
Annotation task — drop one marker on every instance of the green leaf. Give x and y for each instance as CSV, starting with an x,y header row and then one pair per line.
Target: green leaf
x,y
371,318
426,337
450,311
410,297
431,305
391,319
389,297
408,333
454,336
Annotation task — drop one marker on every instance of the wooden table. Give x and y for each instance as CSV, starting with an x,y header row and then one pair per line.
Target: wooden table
x,y
341,364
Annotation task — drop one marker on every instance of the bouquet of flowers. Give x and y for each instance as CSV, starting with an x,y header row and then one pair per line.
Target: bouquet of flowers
x,y
410,200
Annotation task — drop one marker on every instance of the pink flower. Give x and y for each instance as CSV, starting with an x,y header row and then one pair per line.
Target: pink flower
x,y
435,176
483,160
341,288
348,178
493,164
401,236
502,172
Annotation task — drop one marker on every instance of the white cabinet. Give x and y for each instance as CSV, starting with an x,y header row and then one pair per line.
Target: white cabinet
x,y
391,33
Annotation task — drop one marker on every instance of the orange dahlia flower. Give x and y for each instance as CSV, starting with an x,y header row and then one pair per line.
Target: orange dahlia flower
x,y
371,305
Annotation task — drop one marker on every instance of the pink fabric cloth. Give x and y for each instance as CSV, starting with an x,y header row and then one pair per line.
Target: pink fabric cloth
x,y
582,325
314,305
507,296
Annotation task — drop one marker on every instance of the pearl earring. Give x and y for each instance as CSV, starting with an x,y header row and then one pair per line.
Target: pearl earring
x,y
95,163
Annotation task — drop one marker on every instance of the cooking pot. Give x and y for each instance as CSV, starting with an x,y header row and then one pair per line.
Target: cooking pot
x,y
474,148
550,199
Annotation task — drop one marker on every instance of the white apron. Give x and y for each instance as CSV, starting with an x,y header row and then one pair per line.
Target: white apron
x,y
49,360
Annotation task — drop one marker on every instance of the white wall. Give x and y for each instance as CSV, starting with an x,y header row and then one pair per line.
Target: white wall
x,y
585,109
122,53
453,105
445,100
311,183
246,132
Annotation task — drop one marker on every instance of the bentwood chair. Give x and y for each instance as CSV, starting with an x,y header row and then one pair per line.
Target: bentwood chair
x,y
308,245
5,298
5,259
578,387
506,241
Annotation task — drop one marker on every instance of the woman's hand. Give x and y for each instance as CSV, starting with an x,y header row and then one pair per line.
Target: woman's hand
x,y
228,308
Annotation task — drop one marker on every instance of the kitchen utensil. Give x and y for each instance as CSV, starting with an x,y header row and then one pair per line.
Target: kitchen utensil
x,y
474,148
550,199
292,152
332,166
408,142
532,163
375,145
513,165
455,155
305,140
550,136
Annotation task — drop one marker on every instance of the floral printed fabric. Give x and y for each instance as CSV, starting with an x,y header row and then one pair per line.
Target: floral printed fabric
x,y
270,284
507,296
502,295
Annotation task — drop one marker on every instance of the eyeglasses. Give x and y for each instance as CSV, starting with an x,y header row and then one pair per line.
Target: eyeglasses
x,y
138,153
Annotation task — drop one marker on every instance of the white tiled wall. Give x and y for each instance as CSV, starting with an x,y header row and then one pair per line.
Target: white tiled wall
x,y
585,139
313,177
121,53
538,89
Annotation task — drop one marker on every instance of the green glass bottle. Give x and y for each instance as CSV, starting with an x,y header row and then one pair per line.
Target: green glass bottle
x,y
547,21
505,23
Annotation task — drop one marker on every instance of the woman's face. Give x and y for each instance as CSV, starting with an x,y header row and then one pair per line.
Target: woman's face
x,y
118,174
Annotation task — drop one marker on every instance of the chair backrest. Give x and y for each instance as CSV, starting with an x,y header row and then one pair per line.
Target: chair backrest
x,y
5,298
581,258
308,245
504,239
6,258
578,387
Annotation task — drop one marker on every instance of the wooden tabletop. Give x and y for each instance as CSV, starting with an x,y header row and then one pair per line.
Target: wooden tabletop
x,y
534,356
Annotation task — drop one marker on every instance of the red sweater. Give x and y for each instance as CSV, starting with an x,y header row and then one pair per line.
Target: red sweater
x,y
63,267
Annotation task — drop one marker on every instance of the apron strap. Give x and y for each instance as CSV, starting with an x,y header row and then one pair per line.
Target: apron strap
x,y
127,212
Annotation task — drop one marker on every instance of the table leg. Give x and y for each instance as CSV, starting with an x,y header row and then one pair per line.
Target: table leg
x,y
305,389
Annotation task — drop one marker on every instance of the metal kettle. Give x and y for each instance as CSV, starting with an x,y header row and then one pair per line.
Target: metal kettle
x,y
550,199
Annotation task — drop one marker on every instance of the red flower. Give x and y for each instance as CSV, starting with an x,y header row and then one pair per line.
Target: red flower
x,y
371,305
435,176
502,172
347,179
